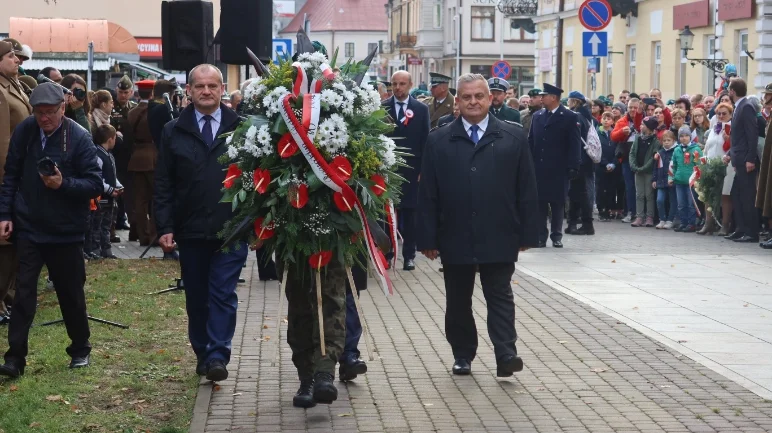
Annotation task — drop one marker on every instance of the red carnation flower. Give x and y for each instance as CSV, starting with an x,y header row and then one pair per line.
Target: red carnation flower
x,y
298,195
380,184
342,167
341,203
261,179
233,172
320,259
263,232
287,146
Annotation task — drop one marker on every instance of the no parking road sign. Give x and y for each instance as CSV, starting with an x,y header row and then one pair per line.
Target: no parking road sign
x,y
501,69
595,15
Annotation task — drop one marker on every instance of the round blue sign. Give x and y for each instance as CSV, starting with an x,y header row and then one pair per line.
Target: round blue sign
x,y
501,69
595,15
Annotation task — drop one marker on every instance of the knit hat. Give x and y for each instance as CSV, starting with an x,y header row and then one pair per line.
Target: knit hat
x,y
684,130
620,106
651,122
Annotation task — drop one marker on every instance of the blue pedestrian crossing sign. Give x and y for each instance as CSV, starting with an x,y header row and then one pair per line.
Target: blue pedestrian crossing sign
x,y
281,48
594,44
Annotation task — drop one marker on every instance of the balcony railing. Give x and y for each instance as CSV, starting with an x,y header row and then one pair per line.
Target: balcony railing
x,y
405,40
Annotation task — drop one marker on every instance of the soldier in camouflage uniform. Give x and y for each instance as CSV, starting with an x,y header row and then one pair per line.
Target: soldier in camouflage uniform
x,y
316,373
123,104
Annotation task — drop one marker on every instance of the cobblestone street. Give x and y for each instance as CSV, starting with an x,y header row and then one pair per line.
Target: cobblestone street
x,y
588,367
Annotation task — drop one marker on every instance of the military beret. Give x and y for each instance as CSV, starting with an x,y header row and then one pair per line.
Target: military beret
x,y
498,84
125,83
46,94
5,48
437,78
575,94
146,84
534,92
670,101
564,101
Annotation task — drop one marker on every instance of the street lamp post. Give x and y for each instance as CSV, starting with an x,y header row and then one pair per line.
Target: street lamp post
x,y
687,44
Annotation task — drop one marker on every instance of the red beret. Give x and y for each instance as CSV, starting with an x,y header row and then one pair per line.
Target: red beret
x,y
146,84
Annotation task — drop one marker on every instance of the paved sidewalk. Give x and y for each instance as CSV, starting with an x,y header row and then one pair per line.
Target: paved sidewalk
x,y
585,370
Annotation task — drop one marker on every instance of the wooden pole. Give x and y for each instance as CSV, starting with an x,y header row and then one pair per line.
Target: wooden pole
x,y
355,294
283,287
319,309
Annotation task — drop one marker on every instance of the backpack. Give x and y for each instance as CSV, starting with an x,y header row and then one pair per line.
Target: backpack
x,y
592,145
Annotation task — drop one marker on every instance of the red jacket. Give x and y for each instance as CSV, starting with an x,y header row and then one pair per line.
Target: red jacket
x,y
617,135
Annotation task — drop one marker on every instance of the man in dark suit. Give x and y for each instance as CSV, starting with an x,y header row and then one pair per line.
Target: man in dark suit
x,y
498,108
745,158
478,208
556,148
188,210
412,120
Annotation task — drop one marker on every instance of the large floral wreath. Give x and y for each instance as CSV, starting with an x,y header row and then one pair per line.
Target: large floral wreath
x,y
311,164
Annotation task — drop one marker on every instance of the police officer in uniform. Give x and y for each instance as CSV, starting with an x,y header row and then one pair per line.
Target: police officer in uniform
x,y
124,92
440,103
534,105
498,108
556,148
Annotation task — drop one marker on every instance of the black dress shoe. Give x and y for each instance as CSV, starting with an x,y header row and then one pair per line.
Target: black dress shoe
x,y
324,388
409,265
542,244
747,239
733,236
584,230
12,370
80,361
349,370
201,368
115,240
305,395
508,365
216,371
557,244
462,367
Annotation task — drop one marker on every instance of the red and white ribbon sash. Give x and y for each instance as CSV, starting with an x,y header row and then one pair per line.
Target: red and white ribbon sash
x,y
391,220
322,169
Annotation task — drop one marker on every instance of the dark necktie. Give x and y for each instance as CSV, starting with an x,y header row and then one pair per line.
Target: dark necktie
x,y
400,109
473,135
206,131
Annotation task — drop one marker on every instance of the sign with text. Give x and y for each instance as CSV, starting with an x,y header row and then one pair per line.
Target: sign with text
x,y
694,15
734,9
545,60
150,48
414,60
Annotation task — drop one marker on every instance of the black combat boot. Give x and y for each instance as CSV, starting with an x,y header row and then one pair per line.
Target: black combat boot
x,y
324,388
305,395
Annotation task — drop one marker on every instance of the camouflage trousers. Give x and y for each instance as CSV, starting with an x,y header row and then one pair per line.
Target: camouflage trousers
x,y
303,324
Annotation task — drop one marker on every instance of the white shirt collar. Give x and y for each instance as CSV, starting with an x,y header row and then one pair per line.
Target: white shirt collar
x,y
556,109
738,101
216,116
440,101
397,101
483,125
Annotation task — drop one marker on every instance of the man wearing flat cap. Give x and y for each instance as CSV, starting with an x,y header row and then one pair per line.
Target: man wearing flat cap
x,y
51,174
440,103
124,92
534,105
556,149
499,87
14,108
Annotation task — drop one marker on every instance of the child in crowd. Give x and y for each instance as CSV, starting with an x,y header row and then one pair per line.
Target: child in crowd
x,y
609,172
685,157
102,218
679,120
667,202
642,154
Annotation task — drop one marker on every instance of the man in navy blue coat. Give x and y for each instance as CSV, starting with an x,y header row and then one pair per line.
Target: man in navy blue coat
x,y
556,148
412,120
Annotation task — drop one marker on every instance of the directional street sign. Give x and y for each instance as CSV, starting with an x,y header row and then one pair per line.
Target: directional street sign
x,y
595,15
594,44
501,69
280,48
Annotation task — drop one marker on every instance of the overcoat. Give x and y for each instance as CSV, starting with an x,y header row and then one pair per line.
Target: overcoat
x,y
413,137
437,110
478,204
14,107
556,148
505,113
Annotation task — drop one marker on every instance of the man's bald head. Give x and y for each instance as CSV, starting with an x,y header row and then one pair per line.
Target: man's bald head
x,y
401,82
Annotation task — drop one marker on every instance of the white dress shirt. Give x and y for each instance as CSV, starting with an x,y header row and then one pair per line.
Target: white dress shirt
x,y
215,122
483,125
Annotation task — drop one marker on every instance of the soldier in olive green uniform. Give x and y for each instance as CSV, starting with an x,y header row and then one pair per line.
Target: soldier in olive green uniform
x,y
316,372
124,92
499,87
534,105
440,103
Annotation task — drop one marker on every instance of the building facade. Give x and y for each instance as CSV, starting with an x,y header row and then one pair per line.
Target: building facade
x,y
645,47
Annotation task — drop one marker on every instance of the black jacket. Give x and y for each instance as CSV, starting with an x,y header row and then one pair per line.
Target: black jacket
x,y
157,116
478,204
188,178
413,137
39,213
745,135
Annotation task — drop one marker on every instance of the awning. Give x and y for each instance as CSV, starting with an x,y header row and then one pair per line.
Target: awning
x,y
67,64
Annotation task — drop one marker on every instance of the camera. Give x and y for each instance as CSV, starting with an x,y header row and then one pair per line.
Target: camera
x,y
79,94
46,166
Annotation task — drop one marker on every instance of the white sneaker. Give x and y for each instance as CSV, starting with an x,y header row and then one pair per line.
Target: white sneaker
x,y
628,218
660,225
668,225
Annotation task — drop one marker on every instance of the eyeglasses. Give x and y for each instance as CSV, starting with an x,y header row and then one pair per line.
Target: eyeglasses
x,y
49,113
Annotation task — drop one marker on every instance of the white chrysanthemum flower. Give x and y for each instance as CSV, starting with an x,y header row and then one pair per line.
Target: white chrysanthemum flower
x,y
317,58
229,139
331,98
389,159
251,133
264,136
254,89
348,103
333,134
233,152
272,101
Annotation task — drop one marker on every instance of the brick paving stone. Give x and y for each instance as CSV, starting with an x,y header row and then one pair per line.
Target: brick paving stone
x,y
585,372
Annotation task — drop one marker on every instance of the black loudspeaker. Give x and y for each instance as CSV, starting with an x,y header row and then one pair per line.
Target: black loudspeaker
x,y
245,23
187,34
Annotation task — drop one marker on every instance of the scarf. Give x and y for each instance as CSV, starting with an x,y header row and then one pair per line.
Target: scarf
x,y
100,117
